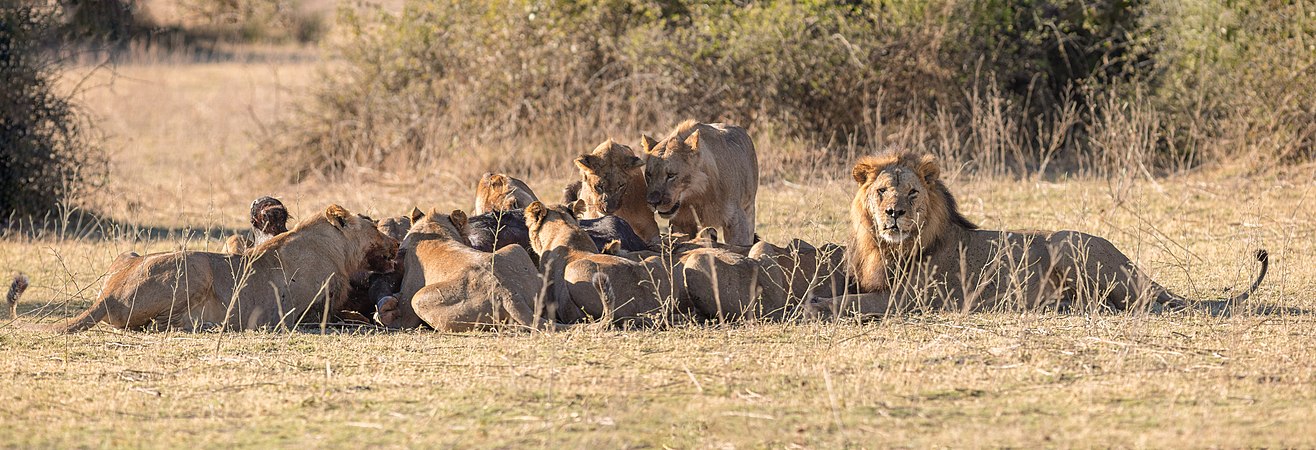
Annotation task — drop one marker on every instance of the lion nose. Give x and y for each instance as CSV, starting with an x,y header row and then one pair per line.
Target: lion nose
x,y
654,198
895,213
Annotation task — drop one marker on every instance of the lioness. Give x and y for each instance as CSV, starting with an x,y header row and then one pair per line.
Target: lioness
x,y
586,284
803,270
612,183
912,246
303,272
453,287
728,286
499,192
704,175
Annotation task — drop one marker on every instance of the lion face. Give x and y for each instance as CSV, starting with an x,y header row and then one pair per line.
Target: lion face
x,y
380,250
672,175
895,197
550,225
605,172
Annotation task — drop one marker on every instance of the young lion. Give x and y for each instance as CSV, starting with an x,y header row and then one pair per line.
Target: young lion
x,y
276,283
704,175
911,245
499,192
586,284
612,183
453,287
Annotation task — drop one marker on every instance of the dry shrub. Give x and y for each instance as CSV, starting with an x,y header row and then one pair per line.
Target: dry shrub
x,y
1019,87
47,155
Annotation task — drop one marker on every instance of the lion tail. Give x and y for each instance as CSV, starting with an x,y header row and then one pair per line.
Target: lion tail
x,y
1263,257
16,290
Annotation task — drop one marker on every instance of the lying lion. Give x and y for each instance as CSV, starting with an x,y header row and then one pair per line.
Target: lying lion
x,y
704,175
499,192
453,287
912,247
303,273
589,285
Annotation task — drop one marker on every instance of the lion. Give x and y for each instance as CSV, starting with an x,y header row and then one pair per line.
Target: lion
x,y
803,270
588,285
912,247
612,183
727,286
499,192
269,218
450,286
704,175
302,273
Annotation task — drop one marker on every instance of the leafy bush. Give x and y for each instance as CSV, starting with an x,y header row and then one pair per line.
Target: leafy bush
x,y
1002,85
47,156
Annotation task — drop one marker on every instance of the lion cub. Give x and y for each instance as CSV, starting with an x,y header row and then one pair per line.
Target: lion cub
x,y
612,182
453,287
586,284
499,192
704,175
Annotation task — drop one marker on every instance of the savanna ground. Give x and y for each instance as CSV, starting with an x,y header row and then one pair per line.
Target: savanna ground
x,y
184,159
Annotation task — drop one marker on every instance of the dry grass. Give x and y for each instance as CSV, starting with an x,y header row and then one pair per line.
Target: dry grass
x,y
184,159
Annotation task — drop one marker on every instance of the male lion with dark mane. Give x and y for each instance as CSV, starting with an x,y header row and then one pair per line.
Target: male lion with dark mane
x,y
277,283
704,175
912,247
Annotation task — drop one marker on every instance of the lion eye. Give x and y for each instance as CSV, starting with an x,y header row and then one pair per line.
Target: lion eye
x,y
913,192
881,191
671,176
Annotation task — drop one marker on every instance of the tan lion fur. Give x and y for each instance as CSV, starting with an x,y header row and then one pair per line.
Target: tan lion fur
x,y
612,182
302,273
453,287
628,293
912,248
499,192
704,175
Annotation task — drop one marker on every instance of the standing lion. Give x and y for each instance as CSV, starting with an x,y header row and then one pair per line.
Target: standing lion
x,y
704,175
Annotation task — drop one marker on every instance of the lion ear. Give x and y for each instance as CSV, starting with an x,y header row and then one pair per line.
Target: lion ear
x,y
692,142
634,162
863,171
578,208
929,169
535,212
613,248
587,163
648,143
337,215
459,220
415,215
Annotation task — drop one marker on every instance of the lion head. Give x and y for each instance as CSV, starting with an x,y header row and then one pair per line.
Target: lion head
x,y
672,170
436,225
901,206
604,173
378,251
554,226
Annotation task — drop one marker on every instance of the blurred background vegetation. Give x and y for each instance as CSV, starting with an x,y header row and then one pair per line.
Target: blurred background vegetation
x,y
1016,87
1021,88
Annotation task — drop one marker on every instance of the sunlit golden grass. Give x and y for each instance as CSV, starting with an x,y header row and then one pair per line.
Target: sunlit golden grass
x,y
184,159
